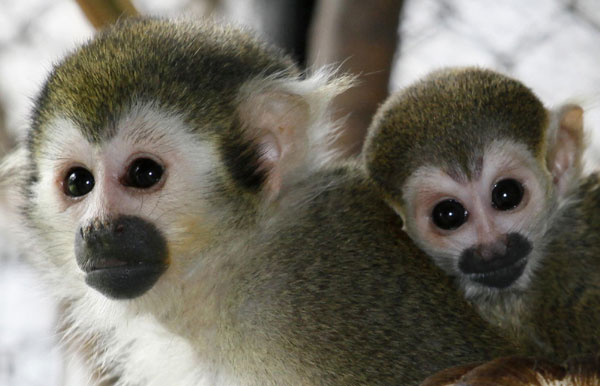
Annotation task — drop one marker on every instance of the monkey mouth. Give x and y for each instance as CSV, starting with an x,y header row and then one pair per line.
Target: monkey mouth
x,y
105,264
123,280
502,277
501,270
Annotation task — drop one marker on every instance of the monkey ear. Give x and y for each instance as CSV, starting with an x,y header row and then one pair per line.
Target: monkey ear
x,y
565,147
277,125
288,123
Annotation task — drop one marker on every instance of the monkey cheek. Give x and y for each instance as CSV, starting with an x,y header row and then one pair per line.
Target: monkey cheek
x,y
122,259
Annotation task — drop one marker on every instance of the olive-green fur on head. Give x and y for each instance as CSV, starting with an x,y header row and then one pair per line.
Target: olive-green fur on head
x,y
191,68
194,70
446,120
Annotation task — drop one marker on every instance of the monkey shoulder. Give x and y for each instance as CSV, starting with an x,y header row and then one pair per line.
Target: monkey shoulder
x,y
336,261
564,297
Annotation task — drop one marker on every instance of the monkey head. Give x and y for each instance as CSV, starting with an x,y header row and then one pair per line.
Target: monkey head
x,y
477,168
156,144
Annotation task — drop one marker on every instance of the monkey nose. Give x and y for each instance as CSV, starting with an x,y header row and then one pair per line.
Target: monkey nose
x,y
483,264
496,248
123,257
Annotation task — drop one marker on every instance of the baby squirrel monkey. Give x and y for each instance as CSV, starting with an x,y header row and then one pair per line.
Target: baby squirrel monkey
x,y
488,183
178,207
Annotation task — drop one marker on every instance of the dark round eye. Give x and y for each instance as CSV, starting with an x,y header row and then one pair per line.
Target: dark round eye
x,y
78,182
143,173
507,194
449,214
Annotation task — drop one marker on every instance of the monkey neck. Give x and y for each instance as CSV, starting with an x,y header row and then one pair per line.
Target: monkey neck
x,y
502,310
507,312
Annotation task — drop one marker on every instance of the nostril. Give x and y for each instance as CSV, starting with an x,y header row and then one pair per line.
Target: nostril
x,y
120,228
493,250
86,231
485,252
499,248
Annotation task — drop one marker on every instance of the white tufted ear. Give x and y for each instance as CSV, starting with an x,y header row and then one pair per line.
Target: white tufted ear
x,y
289,122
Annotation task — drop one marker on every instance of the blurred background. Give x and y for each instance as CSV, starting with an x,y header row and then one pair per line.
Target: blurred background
x,y
551,45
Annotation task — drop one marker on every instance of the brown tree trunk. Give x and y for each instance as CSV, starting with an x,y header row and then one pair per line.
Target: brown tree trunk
x,y
360,36
105,12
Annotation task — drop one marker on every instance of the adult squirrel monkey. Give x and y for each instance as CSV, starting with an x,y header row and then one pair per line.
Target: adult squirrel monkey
x,y
180,210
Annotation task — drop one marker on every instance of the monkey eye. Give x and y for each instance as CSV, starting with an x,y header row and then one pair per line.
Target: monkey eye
x,y
449,214
507,194
78,182
143,173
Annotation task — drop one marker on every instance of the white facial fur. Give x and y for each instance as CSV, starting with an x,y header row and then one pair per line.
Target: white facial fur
x,y
178,205
485,224
188,164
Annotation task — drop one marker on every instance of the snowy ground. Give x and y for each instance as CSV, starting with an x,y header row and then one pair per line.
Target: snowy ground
x,y
552,45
